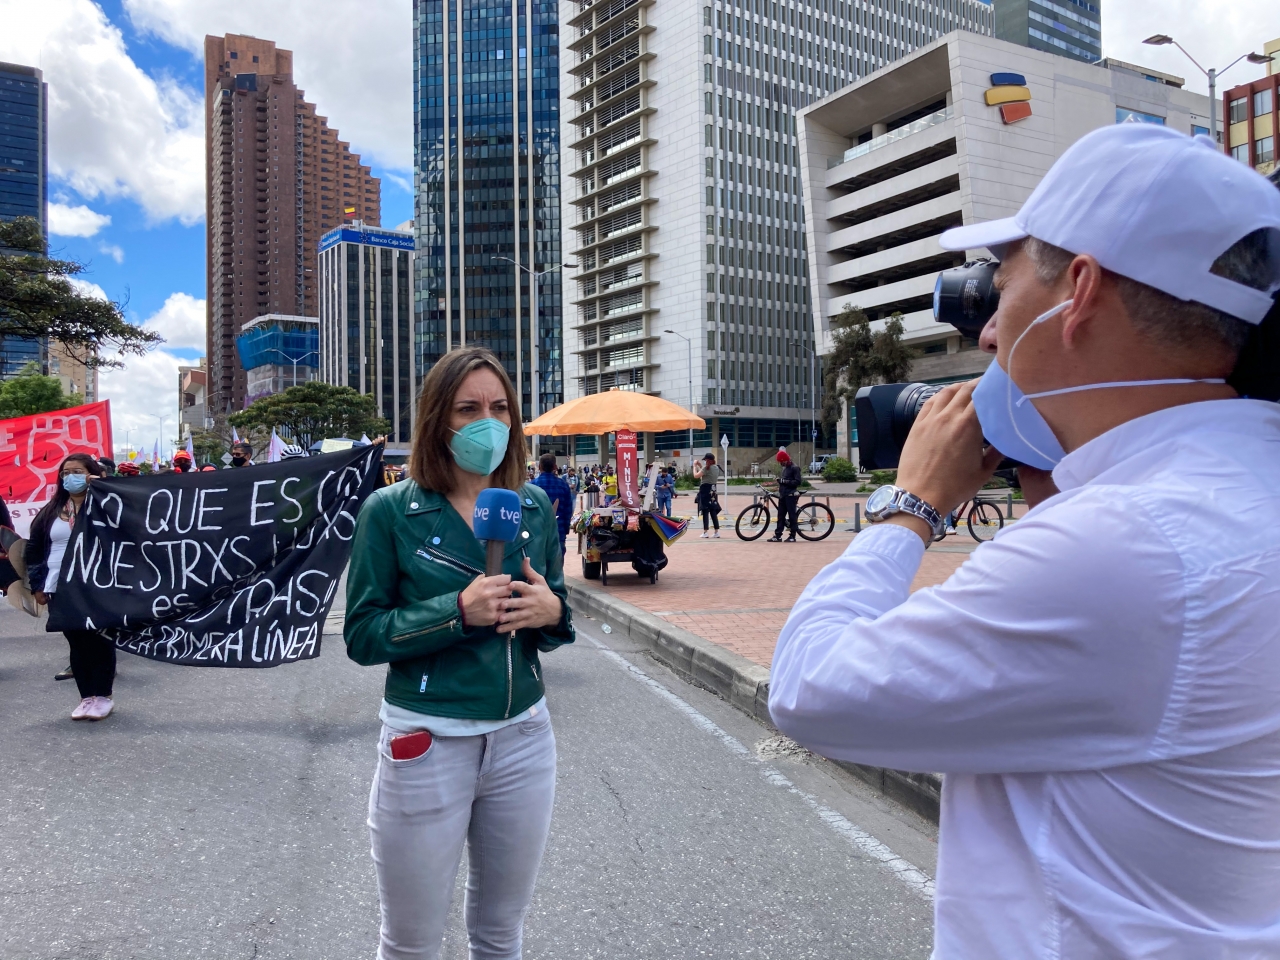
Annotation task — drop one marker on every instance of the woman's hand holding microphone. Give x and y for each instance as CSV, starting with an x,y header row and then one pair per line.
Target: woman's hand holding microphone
x,y
510,605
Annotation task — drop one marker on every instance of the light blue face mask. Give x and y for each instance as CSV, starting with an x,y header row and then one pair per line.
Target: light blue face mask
x,y
480,446
75,483
1013,425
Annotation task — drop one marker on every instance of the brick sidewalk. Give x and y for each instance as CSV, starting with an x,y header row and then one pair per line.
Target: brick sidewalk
x,y
738,594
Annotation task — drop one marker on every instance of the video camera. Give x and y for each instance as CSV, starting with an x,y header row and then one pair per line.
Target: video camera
x,y
966,298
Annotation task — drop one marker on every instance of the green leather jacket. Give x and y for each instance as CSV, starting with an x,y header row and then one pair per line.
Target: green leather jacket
x,y
411,557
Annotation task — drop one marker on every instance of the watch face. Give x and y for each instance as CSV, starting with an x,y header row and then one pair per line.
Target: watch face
x,y
880,499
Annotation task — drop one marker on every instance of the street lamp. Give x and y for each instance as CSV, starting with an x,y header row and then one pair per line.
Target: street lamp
x,y
534,277
295,361
689,343
813,396
1163,39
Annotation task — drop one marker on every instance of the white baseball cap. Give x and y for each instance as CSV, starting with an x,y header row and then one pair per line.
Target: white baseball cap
x,y
1150,204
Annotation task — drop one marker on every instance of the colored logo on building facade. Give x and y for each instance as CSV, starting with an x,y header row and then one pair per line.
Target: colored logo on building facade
x,y
1010,93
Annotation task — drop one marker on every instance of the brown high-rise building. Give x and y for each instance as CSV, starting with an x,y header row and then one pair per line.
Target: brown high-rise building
x,y
278,178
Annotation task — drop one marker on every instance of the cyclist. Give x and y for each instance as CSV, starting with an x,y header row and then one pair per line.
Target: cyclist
x,y
788,497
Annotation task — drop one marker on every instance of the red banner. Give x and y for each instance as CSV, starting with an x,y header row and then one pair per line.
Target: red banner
x,y
628,469
32,448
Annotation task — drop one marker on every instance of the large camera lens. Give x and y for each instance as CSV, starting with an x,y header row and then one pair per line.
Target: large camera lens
x,y
966,297
886,413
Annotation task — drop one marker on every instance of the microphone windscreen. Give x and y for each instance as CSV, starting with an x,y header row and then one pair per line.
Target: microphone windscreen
x,y
497,515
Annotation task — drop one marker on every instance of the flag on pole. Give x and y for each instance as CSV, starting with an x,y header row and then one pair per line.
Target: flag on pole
x,y
191,450
276,448
235,437
155,456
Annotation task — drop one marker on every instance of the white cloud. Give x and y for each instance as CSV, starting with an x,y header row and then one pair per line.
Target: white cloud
x,y
360,76
1214,32
181,321
147,386
112,250
87,288
79,221
114,131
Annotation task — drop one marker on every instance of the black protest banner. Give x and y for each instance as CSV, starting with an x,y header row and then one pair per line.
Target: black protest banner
x,y
228,568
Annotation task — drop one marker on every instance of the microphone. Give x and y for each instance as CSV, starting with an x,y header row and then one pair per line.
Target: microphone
x,y
497,521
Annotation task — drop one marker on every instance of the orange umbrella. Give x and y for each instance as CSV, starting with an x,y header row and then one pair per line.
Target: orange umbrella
x,y
611,411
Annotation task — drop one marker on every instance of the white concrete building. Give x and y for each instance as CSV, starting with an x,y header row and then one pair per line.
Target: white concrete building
x,y
891,162
681,203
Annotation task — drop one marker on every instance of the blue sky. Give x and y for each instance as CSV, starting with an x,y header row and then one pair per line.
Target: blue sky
x,y
127,130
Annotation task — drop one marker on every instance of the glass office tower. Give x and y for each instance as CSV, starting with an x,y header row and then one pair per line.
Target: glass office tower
x,y
24,180
487,187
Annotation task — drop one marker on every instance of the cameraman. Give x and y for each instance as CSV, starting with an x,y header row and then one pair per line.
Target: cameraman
x,y
1101,683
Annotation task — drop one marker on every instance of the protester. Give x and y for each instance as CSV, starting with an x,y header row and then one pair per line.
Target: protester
x,y
1099,683
242,454
664,487
609,484
708,475
128,469
182,462
464,668
557,492
291,451
108,466
93,656
788,497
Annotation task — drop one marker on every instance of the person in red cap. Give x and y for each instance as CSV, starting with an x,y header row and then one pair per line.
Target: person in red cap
x,y
182,462
788,497
128,469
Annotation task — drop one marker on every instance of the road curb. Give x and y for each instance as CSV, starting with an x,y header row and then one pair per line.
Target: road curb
x,y
734,678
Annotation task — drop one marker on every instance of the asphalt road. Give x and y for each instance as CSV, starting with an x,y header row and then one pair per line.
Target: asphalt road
x,y
220,814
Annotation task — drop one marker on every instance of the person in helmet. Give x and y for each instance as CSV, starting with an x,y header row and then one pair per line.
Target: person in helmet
x,y
182,462
292,451
128,469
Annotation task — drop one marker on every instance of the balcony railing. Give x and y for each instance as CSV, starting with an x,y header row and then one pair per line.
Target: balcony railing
x,y
915,126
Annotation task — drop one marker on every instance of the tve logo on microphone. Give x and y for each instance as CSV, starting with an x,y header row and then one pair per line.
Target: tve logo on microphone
x,y
497,515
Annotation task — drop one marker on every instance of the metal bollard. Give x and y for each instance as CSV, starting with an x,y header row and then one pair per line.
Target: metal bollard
x,y
1008,512
857,517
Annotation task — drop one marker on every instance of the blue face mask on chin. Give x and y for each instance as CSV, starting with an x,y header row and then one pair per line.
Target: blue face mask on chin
x,y
1010,421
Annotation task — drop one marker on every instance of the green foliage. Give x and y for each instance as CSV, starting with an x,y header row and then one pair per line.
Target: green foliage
x,y
839,470
860,358
30,392
313,411
37,299
209,446
880,477
686,481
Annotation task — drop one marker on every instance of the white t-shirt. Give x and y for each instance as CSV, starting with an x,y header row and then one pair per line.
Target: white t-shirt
x,y
59,535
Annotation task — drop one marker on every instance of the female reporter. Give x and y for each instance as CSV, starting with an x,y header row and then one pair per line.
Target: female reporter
x,y
93,656
466,752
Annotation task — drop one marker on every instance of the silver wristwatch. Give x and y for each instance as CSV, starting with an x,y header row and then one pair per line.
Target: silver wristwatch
x,y
888,500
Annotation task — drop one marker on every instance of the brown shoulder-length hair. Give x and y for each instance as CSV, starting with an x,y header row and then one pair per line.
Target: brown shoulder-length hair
x,y
430,460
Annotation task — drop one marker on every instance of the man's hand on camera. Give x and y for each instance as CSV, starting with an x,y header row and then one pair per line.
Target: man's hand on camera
x,y
942,461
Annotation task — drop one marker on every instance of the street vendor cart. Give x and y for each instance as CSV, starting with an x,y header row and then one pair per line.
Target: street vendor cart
x,y
625,530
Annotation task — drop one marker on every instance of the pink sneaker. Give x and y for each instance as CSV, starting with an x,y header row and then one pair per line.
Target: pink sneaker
x,y
81,712
101,709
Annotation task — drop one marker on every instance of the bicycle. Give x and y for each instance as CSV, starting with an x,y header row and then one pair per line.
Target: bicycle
x,y
982,516
814,521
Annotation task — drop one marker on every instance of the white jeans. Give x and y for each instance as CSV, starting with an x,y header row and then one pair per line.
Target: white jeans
x,y
495,792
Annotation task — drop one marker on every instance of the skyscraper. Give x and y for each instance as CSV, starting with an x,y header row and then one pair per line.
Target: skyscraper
x,y
487,186
278,179
366,320
1069,28
24,180
685,213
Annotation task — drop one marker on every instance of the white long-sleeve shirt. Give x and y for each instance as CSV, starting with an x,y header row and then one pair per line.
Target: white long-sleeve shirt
x,y
1101,685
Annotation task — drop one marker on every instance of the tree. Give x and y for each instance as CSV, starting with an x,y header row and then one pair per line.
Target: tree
x,y
860,357
37,299
313,411
29,391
